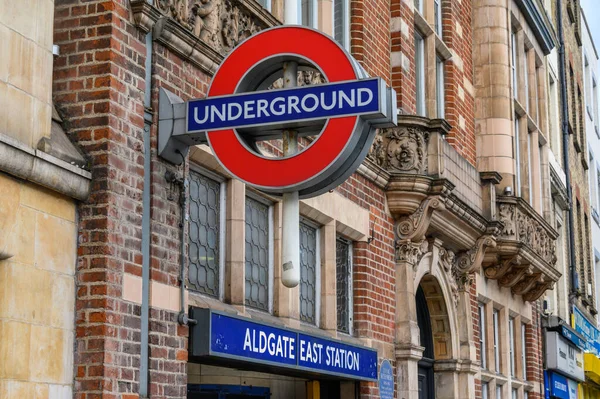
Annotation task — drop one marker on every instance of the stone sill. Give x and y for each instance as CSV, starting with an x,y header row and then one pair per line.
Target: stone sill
x,y
44,169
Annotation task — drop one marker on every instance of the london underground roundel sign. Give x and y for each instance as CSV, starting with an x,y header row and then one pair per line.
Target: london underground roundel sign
x,y
240,113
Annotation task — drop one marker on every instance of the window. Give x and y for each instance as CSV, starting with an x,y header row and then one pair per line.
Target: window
x,y
309,263
498,392
266,4
542,180
420,73
526,81
207,215
258,255
437,9
517,158
484,390
595,102
525,395
341,22
419,5
529,169
511,344
555,138
496,342
593,182
514,394
482,332
308,11
513,41
439,72
523,352
587,80
343,284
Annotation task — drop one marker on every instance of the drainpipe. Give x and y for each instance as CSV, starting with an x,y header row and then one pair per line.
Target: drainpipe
x,y
565,135
144,340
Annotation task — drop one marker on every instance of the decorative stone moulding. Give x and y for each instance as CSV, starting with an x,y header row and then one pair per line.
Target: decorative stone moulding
x,y
202,31
525,255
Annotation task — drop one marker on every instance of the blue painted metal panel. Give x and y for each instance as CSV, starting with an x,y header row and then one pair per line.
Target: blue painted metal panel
x,y
285,106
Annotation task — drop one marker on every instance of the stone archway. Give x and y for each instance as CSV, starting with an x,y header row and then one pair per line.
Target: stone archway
x,y
428,270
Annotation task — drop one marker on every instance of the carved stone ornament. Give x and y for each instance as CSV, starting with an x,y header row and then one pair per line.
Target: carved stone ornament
x,y
447,259
415,226
221,24
401,149
305,78
538,290
521,227
499,269
411,252
470,261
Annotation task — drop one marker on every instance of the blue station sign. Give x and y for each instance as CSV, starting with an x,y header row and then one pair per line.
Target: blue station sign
x,y
277,107
219,335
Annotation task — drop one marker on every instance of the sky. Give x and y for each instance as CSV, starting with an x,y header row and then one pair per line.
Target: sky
x,y
591,8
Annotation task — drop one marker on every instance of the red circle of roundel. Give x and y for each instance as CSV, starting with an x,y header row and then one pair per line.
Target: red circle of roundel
x,y
292,171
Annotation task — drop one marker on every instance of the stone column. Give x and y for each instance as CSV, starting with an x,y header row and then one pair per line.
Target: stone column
x,y
408,348
234,253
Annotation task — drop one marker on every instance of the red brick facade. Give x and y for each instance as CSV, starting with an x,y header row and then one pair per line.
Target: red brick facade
x,y
99,86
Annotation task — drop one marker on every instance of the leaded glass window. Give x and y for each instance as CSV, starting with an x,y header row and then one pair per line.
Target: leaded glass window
x,y
343,284
308,273
204,233
257,254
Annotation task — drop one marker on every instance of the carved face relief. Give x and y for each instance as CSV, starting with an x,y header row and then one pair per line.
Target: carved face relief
x,y
401,149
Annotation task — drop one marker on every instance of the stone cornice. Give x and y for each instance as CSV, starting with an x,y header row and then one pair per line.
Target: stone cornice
x,y
44,169
538,24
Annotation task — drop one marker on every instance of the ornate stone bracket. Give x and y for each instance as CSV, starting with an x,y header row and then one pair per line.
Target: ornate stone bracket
x,y
499,270
515,275
526,284
414,227
470,261
538,290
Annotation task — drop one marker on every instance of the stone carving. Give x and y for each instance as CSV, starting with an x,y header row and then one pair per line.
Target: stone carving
x,y
537,291
402,149
410,252
506,215
527,283
514,275
499,269
219,23
414,226
457,283
305,78
519,226
470,261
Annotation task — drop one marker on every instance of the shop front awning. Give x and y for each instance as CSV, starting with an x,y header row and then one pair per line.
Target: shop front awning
x,y
591,366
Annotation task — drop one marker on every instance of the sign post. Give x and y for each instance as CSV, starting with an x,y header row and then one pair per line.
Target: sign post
x,y
239,112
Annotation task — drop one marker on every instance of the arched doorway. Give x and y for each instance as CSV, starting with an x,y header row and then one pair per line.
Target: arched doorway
x,y
435,333
426,385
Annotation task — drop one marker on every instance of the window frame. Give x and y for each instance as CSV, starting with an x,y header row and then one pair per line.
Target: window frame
x,y
345,42
523,351
350,285
440,86
496,326
517,156
420,87
526,80
482,336
485,387
313,13
317,228
437,15
511,345
271,241
222,227
515,80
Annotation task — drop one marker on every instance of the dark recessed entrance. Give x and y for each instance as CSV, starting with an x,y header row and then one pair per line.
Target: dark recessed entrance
x,y
426,386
